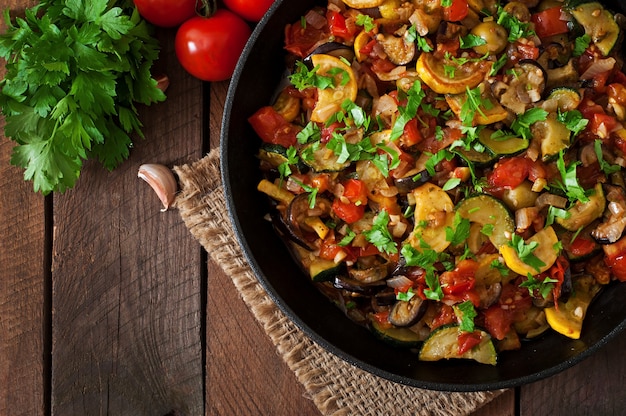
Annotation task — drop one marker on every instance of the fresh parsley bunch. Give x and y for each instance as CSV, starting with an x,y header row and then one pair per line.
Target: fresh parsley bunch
x,y
75,70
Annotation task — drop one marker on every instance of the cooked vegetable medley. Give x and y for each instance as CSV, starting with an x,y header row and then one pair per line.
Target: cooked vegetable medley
x,y
451,172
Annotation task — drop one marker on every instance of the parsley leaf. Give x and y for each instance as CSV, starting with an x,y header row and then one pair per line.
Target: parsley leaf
x,y
573,120
406,296
471,40
516,28
415,95
303,78
543,287
366,21
606,167
581,44
379,234
522,123
426,259
465,312
570,185
460,230
525,252
75,71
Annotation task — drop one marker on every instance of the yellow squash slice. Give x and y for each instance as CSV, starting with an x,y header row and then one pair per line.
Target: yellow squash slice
x,y
568,318
330,99
545,251
434,211
448,77
363,4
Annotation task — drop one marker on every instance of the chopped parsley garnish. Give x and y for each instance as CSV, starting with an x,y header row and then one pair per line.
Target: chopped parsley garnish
x,y
465,313
471,40
522,123
347,239
498,65
292,158
379,234
312,191
606,167
304,78
570,185
310,133
406,296
516,28
422,43
544,287
525,252
554,212
573,120
426,259
415,95
366,21
581,44
460,230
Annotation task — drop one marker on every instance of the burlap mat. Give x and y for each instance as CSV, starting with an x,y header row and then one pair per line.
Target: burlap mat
x,y
336,387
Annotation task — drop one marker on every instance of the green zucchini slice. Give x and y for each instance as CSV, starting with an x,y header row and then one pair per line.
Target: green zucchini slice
x,y
506,146
321,159
599,23
398,337
322,270
443,344
582,214
491,214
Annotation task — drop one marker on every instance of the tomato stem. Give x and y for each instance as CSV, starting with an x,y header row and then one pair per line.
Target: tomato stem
x,y
206,8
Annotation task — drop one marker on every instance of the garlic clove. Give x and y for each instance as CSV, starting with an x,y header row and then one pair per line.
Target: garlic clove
x,y
162,181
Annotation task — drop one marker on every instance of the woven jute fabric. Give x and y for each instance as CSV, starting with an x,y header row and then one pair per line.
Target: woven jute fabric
x,y
335,386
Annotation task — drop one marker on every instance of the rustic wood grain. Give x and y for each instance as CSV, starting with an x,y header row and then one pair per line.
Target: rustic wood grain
x,y
593,387
23,282
503,405
245,374
126,278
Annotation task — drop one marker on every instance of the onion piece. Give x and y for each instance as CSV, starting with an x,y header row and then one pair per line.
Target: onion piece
x,y
315,19
399,281
598,67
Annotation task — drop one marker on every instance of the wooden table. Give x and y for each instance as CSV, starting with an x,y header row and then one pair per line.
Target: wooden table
x,y
109,306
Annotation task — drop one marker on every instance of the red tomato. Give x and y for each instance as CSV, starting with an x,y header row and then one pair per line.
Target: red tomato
x,y
209,47
300,40
513,304
444,316
340,26
412,134
166,13
615,258
468,340
548,22
602,125
330,248
582,246
457,11
509,173
348,212
356,191
252,10
272,127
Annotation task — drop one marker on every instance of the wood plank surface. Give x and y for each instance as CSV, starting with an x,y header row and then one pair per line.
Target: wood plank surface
x,y
126,278
24,272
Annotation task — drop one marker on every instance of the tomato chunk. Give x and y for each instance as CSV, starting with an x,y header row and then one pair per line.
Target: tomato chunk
x,y
457,11
549,22
273,128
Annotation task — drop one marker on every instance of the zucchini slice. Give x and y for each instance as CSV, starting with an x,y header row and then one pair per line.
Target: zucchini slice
x,y
564,99
435,73
443,344
598,23
554,136
508,146
491,214
398,337
322,270
583,214
321,159
568,318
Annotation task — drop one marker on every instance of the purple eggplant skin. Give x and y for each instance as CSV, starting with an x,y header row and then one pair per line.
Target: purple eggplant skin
x,y
408,312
